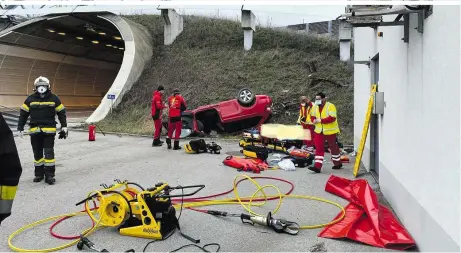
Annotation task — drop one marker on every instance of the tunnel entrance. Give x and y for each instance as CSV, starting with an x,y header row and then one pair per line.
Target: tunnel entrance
x,y
80,53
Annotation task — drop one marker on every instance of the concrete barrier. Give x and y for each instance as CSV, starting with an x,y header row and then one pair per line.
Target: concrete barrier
x,y
138,51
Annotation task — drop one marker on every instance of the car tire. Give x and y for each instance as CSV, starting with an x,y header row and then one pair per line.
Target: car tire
x,y
246,97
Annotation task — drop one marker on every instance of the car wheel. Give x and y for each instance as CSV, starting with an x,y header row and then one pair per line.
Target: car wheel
x,y
246,97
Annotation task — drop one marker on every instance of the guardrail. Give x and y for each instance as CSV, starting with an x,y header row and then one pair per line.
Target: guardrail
x,y
11,117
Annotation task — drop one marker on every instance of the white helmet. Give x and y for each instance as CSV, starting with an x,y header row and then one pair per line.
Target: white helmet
x,y
42,81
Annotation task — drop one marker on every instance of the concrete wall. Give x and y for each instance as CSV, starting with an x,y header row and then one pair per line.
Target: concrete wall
x,y
79,82
419,148
138,52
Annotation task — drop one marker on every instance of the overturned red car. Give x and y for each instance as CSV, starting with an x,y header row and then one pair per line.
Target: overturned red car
x,y
246,111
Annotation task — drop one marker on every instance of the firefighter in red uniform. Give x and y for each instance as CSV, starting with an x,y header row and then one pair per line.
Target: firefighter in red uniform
x,y
325,119
304,120
157,109
177,105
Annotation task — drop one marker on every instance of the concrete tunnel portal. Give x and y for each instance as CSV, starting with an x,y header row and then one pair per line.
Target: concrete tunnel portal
x,y
84,55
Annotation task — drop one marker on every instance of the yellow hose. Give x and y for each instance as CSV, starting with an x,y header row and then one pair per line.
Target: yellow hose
x,y
228,201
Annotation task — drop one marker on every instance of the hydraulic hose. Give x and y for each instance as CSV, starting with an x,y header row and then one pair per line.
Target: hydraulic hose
x,y
84,233
190,203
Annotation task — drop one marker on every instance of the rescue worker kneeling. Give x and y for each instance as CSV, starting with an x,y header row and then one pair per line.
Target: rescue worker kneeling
x,y
42,107
176,106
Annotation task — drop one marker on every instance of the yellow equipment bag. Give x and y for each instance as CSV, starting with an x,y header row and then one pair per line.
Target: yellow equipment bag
x,y
253,151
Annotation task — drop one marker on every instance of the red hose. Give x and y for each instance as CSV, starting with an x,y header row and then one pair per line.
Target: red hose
x,y
198,199
67,217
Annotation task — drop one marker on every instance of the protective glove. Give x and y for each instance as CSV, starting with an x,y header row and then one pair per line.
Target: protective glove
x,y
21,134
63,133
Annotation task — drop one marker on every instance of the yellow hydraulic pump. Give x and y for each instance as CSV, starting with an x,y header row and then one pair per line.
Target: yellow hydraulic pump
x,y
148,213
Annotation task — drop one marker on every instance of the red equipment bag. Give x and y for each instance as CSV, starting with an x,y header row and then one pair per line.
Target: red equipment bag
x,y
246,164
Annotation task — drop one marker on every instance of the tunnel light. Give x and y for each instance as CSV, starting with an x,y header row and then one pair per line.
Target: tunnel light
x,y
62,34
102,33
121,48
108,45
95,42
79,38
117,38
50,30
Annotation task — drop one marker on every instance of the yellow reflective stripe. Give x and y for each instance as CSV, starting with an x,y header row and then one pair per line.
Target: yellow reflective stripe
x,y
39,162
38,104
49,162
8,192
60,108
25,107
49,129
34,130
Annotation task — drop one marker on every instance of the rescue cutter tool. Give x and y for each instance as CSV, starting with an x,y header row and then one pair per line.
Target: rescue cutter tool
x,y
278,225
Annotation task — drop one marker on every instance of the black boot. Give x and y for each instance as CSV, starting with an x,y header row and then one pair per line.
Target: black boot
x,y
157,143
176,145
49,175
38,179
168,142
337,167
314,169
39,174
50,180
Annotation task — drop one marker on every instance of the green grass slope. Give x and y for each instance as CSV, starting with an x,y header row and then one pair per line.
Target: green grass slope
x,y
208,64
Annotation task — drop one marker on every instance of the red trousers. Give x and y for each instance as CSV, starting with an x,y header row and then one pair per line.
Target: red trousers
x,y
174,126
158,128
309,143
320,149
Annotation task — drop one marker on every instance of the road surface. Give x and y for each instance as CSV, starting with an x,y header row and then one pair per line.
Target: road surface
x,y
82,166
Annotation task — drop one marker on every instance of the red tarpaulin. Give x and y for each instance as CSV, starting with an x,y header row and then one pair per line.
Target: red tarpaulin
x,y
366,220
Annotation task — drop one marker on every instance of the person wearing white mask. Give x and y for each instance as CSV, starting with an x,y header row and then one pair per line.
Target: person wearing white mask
x,y
42,107
304,120
325,119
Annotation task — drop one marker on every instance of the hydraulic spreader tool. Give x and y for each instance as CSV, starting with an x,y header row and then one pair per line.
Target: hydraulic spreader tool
x,y
151,213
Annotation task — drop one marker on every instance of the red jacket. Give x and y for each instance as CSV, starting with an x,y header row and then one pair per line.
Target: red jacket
x,y
177,104
157,104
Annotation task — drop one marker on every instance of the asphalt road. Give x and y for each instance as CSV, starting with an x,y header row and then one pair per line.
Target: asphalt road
x,y
82,166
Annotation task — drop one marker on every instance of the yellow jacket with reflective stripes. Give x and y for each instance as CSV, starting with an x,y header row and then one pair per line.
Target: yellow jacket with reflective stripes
x,y
329,109
304,114
10,169
42,112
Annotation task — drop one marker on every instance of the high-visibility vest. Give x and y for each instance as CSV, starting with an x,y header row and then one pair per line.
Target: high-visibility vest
x,y
328,110
305,111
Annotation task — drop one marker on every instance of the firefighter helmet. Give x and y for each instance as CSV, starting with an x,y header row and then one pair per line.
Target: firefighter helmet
x,y
42,81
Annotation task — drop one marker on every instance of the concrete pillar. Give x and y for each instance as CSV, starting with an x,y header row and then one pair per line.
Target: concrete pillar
x,y
173,25
248,26
345,37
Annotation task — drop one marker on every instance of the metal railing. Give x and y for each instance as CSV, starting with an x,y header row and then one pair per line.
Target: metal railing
x,y
11,117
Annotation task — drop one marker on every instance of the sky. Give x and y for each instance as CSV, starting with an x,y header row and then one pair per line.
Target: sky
x,y
268,16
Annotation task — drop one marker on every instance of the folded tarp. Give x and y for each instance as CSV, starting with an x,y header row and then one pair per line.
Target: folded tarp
x,y
366,220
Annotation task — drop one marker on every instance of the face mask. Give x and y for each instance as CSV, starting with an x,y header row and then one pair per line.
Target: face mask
x,y
303,104
41,89
318,102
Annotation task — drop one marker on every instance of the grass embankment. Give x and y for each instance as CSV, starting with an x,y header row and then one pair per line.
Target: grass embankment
x,y
208,64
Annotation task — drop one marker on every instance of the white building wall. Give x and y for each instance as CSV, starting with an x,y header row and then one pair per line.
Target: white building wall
x,y
419,145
